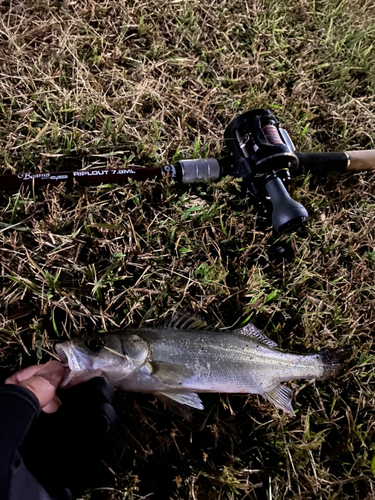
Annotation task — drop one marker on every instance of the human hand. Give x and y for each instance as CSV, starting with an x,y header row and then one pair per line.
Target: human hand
x,y
42,380
72,460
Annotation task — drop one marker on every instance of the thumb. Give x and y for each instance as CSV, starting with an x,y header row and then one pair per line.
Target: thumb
x,y
44,384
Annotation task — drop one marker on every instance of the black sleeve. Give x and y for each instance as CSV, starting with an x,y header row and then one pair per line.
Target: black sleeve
x,y
18,408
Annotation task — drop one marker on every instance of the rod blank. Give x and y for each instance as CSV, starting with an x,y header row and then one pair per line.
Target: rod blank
x,y
92,177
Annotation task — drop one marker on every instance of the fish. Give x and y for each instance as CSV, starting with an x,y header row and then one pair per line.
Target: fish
x,y
177,361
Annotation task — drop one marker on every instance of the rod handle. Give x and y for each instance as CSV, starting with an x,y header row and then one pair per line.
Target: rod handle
x,y
361,160
350,161
322,163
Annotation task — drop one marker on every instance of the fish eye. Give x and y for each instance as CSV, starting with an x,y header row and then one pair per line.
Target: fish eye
x,y
95,344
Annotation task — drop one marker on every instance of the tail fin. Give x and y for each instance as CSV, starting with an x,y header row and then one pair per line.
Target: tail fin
x,y
334,361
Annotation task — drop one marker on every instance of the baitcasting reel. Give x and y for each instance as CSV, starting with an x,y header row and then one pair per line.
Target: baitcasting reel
x,y
263,155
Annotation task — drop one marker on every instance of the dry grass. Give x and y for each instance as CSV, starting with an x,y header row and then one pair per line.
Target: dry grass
x,y
155,81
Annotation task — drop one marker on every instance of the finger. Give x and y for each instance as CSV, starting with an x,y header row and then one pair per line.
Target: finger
x,y
41,387
52,406
42,380
23,374
52,367
53,371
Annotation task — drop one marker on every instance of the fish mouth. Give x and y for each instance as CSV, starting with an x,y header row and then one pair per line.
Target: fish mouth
x,y
68,357
72,357
79,364
59,350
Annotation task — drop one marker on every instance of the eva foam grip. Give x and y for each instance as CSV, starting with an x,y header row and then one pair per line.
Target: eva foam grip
x,y
350,161
322,163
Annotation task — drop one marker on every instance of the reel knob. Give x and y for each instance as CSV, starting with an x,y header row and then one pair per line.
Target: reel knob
x,y
287,214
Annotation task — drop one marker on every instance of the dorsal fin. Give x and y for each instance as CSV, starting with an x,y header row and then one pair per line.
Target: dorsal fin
x,y
185,321
252,331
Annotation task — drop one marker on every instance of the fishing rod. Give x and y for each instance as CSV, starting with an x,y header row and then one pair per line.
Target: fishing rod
x,y
262,155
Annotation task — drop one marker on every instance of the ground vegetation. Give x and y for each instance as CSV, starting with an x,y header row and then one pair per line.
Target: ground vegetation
x,y
146,83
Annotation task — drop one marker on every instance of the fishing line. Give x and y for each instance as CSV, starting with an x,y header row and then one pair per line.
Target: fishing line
x,y
64,152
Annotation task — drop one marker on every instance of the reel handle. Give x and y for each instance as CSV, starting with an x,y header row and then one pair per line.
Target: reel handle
x,y
286,212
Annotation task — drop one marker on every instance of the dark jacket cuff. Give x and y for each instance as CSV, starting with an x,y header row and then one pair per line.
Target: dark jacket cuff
x,y
23,394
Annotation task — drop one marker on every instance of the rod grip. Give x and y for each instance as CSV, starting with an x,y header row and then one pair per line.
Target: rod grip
x,y
350,161
361,160
322,163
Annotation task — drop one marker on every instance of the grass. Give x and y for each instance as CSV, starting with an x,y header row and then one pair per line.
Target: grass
x,y
154,82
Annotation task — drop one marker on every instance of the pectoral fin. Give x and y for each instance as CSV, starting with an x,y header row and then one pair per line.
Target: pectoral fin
x,y
170,374
281,397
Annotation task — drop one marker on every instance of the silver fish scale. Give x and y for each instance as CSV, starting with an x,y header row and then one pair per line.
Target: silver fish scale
x,y
175,365
220,362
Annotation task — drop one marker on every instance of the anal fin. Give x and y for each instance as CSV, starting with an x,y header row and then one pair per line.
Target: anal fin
x,y
281,397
